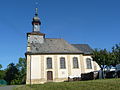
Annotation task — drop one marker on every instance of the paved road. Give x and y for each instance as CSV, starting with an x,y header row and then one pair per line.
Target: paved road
x,y
8,87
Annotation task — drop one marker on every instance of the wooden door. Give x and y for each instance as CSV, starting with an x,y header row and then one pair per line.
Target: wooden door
x,y
49,75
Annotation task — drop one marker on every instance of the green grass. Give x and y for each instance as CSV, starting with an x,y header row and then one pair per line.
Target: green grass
x,y
2,85
107,84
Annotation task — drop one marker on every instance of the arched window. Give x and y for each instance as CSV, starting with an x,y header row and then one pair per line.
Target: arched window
x,y
88,63
49,63
75,62
62,63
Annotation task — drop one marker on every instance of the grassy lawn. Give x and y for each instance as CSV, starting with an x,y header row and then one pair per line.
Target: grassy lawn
x,y
107,84
2,85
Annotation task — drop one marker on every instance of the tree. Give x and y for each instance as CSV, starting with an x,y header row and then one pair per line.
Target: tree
x,y
116,53
21,66
11,73
2,74
101,56
0,66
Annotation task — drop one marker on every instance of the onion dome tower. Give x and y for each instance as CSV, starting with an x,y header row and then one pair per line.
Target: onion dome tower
x,y
36,22
35,36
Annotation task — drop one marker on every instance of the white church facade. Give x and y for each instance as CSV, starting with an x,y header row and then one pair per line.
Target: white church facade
x,y
54,60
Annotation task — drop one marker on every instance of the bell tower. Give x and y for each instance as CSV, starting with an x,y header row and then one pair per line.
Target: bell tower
x,y
35,37
36,22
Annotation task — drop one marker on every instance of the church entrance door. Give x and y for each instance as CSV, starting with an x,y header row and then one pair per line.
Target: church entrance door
x,y
49,75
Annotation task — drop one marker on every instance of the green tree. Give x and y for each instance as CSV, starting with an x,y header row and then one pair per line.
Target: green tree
x,y
102,56
21,66
2,74
11,73
0,66
116,54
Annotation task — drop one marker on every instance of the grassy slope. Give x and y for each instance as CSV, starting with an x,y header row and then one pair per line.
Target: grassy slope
x,y
107,84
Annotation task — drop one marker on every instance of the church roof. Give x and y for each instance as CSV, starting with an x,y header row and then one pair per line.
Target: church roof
x,y
84,48
58,46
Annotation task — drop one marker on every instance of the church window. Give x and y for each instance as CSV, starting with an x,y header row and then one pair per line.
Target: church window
x,y
88,62
75,62
62,63
49,63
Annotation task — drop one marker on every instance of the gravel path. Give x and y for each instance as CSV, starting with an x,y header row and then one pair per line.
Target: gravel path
x,y
10,87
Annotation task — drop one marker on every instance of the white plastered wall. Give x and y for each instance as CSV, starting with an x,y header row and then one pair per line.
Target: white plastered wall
x,y
35,67
38,73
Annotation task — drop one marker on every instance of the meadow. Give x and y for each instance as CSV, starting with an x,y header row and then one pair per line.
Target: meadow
x,y
106,84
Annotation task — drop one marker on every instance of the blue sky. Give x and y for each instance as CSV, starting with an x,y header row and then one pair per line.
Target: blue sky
x,y
95,22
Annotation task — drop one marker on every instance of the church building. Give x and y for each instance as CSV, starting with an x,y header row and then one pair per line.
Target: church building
x,y
54,60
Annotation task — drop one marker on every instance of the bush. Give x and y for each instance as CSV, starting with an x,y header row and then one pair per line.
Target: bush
x,y
15,82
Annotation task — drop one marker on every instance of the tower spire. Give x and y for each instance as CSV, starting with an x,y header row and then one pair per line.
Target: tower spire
x,y
36,11
36,22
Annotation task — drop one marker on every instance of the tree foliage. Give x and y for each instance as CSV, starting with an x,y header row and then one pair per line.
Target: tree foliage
x,y
11,73
116,54
0,66
2,74
16,74
21,66
100,56
104,57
